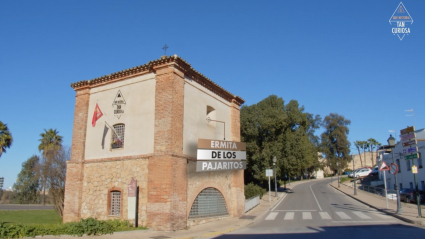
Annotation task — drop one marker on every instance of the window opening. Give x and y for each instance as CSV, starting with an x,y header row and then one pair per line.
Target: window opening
x,y
118,136
411,185
209,203
115,203
408,165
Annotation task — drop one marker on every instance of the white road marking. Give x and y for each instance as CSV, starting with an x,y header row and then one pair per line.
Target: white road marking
x,y
361,215
315,198
295,210
271,216
362,221
342,215
283,197
289,216
307,216
325,215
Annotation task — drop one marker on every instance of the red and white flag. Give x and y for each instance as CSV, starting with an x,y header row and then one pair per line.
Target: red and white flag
x,y
96,115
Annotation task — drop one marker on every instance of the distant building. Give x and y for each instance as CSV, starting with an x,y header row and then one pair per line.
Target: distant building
x,y
153,116
395,155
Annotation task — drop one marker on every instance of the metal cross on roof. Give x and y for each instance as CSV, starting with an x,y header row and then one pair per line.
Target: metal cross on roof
x,y
165,49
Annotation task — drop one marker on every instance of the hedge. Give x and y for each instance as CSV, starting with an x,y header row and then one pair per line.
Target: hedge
x,y
89,226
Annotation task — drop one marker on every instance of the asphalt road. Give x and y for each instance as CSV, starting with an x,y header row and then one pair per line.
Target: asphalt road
x,y
316,210
24,207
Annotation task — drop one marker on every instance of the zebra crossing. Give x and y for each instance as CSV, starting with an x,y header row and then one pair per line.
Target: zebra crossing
x,y
309,215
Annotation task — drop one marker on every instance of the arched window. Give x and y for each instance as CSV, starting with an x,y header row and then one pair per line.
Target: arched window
x,y
209,203
114,203
211,115
118,136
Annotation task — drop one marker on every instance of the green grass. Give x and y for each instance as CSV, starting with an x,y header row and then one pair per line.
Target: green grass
x,y
343,179
30,217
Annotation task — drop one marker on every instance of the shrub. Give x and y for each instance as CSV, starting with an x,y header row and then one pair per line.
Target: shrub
x,y
252,190
89,226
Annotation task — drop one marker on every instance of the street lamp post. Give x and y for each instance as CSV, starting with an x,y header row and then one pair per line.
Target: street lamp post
x,y
275,172
337,165
391,142
354,177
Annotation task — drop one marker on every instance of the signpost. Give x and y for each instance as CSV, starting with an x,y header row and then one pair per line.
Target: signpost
x,y
411,148
384,167
269,173
411,156
409,143
393,168
132,201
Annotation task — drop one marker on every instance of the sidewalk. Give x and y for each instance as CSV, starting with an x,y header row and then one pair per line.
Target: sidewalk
x,y
409,214
207,230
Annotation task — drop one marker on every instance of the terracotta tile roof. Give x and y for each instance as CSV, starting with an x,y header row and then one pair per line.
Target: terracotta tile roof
x,y
149,67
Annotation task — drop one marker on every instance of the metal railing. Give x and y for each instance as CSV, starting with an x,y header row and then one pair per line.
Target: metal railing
x,y
252,202
391,194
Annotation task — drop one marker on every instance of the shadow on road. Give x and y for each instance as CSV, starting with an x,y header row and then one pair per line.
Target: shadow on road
x,y
346,232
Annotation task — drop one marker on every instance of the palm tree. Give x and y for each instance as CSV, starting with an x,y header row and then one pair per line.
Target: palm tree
x,y
365,145
50,142
372,144
359,145
6,138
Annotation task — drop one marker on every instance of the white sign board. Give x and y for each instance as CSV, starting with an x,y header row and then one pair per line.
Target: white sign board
x,y
207,154
269,172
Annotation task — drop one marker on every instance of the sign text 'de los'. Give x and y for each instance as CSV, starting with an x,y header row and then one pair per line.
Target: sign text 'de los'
x,y
220,144
202,166
207,154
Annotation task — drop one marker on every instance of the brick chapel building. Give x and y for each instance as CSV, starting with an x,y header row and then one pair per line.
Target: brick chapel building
x,y
152,118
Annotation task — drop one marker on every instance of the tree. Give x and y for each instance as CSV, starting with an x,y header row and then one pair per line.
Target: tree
x,y
271,128
27,184
50,143
55,176
365,146
6,138
359,145
335,145
372,145
50,140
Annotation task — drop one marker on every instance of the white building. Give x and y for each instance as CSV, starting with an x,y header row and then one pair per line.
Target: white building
x,y
405,178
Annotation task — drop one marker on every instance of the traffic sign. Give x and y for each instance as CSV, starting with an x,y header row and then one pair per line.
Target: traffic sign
x,y
384,167
409,143
410,150
407,130
414,169
393,168
408,136
269,172
411,156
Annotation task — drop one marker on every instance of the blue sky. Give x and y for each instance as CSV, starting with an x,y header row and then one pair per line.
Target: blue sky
x,y
331,56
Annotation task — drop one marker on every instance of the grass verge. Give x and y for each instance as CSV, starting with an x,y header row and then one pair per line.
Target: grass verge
x,y
30,216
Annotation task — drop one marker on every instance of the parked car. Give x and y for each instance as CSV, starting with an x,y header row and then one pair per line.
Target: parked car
x,y
409,195
363,172
375,170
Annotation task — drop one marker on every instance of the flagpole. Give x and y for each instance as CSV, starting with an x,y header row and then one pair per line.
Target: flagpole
x,y
113,130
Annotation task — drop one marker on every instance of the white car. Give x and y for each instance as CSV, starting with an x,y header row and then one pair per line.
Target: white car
x,y
363,172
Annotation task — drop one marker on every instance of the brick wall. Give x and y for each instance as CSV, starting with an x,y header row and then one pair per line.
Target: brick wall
x,y
75,169
238,175
167,180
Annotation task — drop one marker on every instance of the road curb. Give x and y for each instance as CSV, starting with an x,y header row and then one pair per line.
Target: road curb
x,y
419,223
